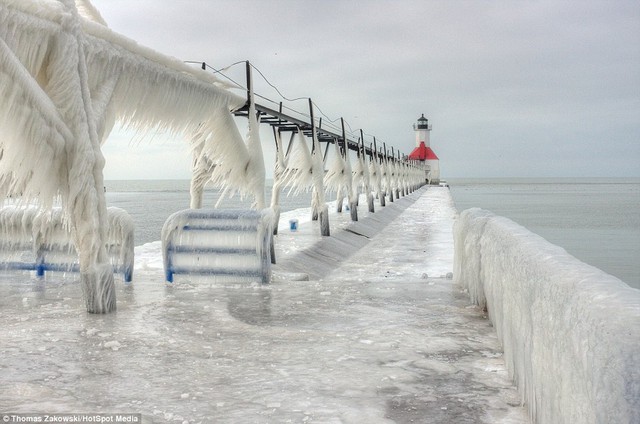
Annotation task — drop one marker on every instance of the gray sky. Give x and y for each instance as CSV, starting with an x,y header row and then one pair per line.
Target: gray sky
x,y
511,88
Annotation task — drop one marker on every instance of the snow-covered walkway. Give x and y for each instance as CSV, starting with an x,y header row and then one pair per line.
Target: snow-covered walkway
x,y
380,335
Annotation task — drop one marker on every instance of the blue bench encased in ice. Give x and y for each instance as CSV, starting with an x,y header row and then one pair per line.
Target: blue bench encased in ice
x,y
227,245
35,240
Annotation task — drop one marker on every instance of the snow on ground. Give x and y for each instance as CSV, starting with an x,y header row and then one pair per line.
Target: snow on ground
x,y
379,337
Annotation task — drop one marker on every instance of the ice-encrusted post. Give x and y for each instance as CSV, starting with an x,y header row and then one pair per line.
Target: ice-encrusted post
x,y
366,180
351,190
387,173
375,160
86,204
278,174
340,194
319,203
394,174
334,178
200,172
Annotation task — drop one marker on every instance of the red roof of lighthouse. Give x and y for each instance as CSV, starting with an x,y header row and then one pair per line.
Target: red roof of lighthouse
x,y
422,152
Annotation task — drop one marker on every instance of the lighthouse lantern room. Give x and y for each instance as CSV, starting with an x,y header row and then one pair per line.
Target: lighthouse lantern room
x,y
423,152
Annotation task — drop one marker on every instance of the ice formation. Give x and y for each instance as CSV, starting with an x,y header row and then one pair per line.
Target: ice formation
x,y
352,193
570,332
298,175
64,80
361,177
387,173
376,178
278,180
226,245
338,177
318,203
37,239
239,166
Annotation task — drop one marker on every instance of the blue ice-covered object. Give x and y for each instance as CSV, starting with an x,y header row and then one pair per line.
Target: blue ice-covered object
x,y
228,245
34,239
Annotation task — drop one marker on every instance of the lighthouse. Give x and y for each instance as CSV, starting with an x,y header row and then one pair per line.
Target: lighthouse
x,y
423,152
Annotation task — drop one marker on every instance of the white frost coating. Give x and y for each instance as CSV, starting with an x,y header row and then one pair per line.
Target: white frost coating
x,y
339,179
305,171
395,177
389,177
51,145
571,333
239,166
278,180
218,243
384,176
64,80
376,177
318,203
88,11
335,178
47,234
201,170
360,174
120,239
299,173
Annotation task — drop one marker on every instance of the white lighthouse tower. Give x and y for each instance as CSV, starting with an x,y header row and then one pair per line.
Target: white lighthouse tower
x,y
423,151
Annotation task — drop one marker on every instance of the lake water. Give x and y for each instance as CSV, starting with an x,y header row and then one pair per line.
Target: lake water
x,y
597,221
150,202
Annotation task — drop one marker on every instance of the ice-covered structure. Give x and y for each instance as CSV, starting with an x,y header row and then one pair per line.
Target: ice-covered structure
x,y
570,332
239,166
376,177
40,240
64,80
305,171
361,176
339,179
225,245
279,171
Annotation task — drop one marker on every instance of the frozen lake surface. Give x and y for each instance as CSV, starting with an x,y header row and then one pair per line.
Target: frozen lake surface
x,y
379,334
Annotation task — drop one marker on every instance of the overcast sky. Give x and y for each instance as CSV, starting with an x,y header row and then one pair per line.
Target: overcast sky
x,y
511,88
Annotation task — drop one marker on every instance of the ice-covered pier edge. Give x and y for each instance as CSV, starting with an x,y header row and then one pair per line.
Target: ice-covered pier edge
x,y
570,332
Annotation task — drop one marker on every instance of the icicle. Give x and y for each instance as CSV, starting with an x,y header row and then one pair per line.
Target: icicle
x,y
376,175
239,167
319,204
88,11
335,179
361,178
64,80
299,173
278,181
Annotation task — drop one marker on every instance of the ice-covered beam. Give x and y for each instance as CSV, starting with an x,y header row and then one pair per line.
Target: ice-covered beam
x,y
64,80
49,139
570,332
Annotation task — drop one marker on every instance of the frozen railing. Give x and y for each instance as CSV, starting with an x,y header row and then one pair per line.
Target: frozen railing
x,y
32,239
225,245
570,332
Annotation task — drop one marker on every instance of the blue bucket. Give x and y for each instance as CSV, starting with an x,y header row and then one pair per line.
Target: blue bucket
x,y
293,224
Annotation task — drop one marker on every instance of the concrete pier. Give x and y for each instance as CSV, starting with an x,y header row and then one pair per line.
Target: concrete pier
x,y
378,334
